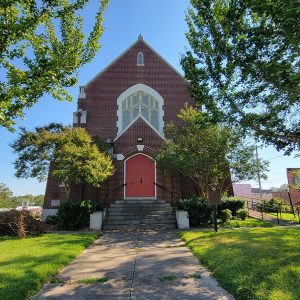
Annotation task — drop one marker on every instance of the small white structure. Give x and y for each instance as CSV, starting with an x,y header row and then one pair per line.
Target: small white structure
x,y
96,220
182,219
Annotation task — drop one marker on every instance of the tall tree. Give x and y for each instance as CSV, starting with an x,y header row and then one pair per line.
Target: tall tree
x,y
244,65
210,155
42,46
68,153
5,194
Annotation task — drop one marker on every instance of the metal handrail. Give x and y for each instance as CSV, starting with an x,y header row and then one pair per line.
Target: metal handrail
x,y
173,204
263,208
107,196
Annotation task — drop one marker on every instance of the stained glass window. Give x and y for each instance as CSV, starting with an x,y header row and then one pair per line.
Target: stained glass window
x,y
142,104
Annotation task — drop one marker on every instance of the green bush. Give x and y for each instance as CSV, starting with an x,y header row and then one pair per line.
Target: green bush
x,y
73,216
52,220
231,203
225,215
241,214
200,212
273,205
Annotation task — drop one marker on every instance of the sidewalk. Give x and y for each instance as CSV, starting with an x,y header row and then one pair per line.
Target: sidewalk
x,y
137,265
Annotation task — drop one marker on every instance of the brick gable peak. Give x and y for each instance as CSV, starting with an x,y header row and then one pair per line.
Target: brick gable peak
x,y
140,39
134,122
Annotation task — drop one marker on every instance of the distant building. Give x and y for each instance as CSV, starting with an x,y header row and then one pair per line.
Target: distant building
x,y
242,189
245,191
292,181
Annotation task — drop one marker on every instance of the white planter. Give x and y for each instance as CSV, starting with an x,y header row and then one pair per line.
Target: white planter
x,y
96,220
182,219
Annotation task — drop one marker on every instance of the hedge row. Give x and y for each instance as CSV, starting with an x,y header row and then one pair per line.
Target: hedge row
x,y
201,212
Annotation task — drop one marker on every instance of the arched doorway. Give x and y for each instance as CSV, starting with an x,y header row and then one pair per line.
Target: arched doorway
x,y
140,177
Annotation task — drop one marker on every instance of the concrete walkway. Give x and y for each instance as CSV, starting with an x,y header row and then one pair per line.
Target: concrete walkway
x,y
137,265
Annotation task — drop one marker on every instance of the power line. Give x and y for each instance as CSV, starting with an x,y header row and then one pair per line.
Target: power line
x,y
275,157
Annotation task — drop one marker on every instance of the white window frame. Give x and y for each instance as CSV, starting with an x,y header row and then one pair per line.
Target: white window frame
x,y
140,87
140,56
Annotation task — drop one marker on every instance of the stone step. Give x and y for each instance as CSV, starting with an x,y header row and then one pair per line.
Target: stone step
x,y
140,201
135,217
139,209
140,226
139,221
144,213
138,205
139,214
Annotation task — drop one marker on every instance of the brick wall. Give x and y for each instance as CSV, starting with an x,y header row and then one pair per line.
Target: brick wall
x,y
101,106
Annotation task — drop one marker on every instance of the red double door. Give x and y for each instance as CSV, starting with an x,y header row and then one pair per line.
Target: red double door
x,y
140,176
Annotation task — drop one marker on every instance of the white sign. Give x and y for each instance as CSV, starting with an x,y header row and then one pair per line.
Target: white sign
x,y
55,202
25,204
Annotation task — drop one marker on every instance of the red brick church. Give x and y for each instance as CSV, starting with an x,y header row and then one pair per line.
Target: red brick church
x,y
127,105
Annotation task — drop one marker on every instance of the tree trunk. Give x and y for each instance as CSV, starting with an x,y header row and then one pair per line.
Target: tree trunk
x,y
67,190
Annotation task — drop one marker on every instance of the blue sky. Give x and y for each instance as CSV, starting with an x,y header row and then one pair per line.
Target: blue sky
x,y
162,24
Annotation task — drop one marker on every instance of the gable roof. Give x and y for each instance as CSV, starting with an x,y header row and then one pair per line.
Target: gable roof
x,y
140,38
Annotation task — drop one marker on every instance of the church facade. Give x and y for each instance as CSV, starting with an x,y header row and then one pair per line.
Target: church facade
x,y
127,106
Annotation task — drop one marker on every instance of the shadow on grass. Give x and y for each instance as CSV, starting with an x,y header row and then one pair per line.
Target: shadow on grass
x,y
252,263
25,265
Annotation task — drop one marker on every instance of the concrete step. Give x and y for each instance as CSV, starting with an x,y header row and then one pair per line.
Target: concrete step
x,y
139,221
139,214
139,201
140,226
140,209
139,205
138,217
131,214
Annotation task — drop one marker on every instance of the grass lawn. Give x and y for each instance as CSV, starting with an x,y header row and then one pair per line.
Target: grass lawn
x,y
253,263
28,263
249,222
287,217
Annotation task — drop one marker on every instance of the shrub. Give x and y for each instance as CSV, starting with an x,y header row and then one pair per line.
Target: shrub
x,y
273,205
225,215
241,214
200,212
20,223
73,216
231,203
52,220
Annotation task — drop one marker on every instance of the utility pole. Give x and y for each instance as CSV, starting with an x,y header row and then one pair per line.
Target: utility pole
x,y
258,174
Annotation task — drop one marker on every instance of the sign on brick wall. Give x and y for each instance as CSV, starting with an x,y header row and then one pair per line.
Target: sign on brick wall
x,y
55,202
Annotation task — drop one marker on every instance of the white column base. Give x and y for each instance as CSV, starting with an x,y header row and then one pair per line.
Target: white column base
x,y
182,219
96,220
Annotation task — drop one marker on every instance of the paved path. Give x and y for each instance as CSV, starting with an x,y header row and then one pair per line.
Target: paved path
x,y
138,265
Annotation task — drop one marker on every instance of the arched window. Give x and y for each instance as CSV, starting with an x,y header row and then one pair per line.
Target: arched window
x,y
142,101
140,104
140,59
